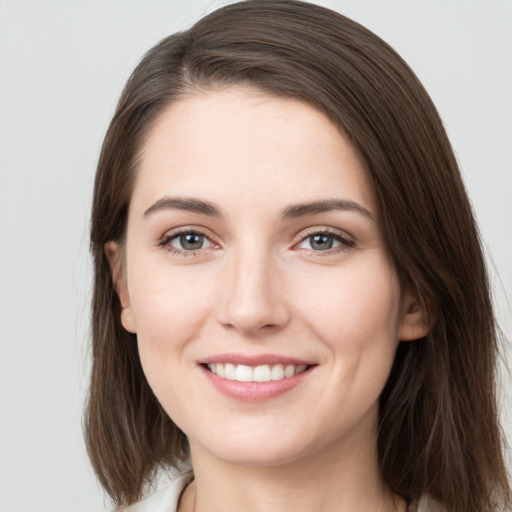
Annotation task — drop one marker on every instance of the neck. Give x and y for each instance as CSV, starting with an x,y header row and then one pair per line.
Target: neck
x,y
339,479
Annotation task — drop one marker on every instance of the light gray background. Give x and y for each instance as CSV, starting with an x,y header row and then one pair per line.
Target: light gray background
x,y
62,66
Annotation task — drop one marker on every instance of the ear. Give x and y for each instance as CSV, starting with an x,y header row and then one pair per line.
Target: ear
x,y
418,317
113,253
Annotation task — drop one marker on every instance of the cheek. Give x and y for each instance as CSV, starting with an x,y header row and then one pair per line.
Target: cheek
x,y
355,312
355,308
170,310
165,301
356,316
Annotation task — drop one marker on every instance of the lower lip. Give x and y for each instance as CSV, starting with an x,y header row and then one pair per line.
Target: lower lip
x,y
254,391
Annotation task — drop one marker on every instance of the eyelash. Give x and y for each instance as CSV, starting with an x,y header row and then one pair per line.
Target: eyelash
x,y
345,243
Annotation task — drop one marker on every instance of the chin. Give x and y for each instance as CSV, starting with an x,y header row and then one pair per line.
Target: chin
x,y
253,450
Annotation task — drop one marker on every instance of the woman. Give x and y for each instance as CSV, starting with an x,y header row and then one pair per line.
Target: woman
x,y
289,286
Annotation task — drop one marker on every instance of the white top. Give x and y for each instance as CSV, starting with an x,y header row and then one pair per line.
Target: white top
x,y
166,499
163,500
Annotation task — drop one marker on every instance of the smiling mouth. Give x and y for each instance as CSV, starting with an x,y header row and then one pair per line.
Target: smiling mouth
x,y
260,373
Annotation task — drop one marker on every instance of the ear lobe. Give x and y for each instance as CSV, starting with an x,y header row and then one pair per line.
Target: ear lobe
x,y
418,317
112,251
128,321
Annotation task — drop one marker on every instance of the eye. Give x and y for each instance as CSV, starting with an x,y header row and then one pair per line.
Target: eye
x,y
186,242
325,241
190,241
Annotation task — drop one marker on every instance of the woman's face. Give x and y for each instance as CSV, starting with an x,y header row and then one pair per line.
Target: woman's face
x,y
254,253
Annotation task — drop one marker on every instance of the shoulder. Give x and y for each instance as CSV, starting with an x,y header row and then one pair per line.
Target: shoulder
x,y
426,504
163,500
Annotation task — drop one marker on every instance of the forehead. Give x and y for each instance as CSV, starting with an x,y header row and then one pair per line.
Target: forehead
x,y
244,143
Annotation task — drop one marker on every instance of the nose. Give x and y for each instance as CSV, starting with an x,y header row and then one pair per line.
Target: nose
x,y
252,298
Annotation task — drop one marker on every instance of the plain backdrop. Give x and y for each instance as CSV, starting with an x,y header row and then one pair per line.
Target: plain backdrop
x,y
62,66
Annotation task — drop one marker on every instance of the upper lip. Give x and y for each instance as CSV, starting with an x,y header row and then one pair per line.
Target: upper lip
x,y
254,360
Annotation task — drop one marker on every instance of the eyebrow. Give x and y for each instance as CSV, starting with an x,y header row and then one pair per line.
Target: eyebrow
x,y
187,204
290,212
325,205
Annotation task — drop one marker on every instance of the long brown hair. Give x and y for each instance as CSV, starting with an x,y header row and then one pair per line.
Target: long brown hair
x,y
438,428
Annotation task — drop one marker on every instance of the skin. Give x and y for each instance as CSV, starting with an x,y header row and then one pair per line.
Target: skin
x,y
259,285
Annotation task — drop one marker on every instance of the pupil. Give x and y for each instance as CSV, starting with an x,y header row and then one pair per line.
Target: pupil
x,y
321,242
191,241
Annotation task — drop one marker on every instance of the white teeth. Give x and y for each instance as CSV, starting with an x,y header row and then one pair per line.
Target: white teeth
x,y
229,371
262,373
277,372
289,371
221,372
244,373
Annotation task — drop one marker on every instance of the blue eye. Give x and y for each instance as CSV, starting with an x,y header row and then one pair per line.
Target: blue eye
x,y
189,241
324,241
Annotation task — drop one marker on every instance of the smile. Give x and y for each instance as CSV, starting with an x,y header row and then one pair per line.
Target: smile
x,y
261,373
255,378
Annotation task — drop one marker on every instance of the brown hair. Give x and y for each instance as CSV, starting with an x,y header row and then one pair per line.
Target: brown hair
x,y
438,428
